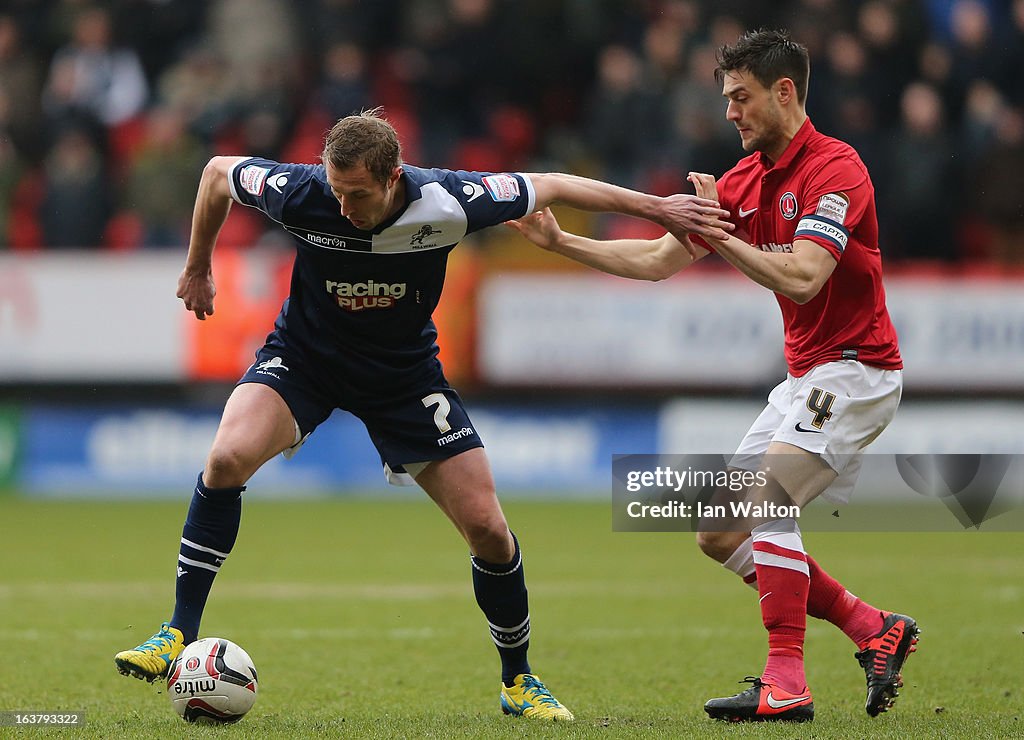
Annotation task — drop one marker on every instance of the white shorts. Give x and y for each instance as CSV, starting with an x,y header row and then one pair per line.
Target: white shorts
x,y
834,411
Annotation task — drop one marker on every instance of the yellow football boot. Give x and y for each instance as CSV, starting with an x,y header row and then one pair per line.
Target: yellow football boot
x,y
528,697
151,659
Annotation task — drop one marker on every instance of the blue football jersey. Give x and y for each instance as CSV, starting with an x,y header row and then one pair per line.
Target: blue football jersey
x,y
361,301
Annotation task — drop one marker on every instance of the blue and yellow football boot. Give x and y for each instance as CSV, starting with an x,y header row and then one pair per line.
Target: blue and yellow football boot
x,y
528,697
151,659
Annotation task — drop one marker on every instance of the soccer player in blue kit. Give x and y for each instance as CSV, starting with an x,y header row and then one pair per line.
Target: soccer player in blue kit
x,y
372,238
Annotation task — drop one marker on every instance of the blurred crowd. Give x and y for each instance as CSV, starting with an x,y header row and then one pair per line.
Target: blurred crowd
x,y
109,109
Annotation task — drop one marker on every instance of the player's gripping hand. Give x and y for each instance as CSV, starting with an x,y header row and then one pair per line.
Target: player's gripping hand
x,y
704,185
197,291
683,214
539,227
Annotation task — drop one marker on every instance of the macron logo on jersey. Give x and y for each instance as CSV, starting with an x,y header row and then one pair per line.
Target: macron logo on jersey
x,y
502,188
279,181
321,240
471,190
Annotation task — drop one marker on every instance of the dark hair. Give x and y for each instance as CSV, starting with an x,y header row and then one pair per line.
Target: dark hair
x,y
769,55
365,138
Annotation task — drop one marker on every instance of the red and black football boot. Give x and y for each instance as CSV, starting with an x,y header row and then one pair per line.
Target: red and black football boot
x,y
762,702
882,660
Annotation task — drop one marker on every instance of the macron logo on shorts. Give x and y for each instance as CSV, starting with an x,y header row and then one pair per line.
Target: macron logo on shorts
x,y
456,435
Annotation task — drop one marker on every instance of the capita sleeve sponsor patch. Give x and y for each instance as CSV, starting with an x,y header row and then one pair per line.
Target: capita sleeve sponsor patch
x,y
502,188
252,178
833,206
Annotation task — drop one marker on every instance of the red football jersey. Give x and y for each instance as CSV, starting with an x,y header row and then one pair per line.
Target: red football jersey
x,y
819,190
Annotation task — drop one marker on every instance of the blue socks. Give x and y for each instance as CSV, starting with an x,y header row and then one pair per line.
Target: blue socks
x,y
501,593
211,528
206,539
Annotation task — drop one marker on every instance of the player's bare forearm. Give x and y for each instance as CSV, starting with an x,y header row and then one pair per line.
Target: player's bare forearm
x,y
196,288
687,212
592,195
213,203
638,259
798,275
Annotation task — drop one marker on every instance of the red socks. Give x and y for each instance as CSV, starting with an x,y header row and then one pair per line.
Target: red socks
x,y
828,600
792,585
783,583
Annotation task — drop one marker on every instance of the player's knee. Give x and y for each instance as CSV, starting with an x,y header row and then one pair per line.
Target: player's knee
x,y
226,467
718,545
490,539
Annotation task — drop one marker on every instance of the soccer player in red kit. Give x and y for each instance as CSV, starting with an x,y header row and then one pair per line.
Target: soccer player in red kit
x,y
803,225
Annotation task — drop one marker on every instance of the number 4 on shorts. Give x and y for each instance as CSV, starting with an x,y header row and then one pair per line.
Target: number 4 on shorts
x,y
819,403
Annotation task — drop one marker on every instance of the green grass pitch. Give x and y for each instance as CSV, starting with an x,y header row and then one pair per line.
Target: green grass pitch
x,y
360,617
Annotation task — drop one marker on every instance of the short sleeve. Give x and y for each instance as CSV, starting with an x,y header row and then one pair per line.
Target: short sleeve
x,y
265,184
837,196
492,198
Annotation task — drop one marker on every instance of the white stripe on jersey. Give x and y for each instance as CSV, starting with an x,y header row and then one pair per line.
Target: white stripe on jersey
x,y
434,220
531,205
231,182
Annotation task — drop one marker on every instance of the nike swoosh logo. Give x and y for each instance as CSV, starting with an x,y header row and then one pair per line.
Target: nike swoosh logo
x,y
745,213
780,703
807,431
765,596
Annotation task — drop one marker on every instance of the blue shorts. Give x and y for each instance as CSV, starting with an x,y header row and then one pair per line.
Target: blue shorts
x,y
423,422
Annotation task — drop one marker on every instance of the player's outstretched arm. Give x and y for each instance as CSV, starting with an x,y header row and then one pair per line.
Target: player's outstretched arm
x,y
213,202
639,259
798,275
690,213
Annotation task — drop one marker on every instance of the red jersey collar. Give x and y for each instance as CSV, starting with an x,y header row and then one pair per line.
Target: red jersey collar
x,y
804,133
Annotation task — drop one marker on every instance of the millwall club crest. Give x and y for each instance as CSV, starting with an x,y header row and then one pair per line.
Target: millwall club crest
x,y
788,205
423,233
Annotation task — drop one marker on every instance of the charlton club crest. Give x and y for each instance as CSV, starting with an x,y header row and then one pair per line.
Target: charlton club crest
x,y
788,206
